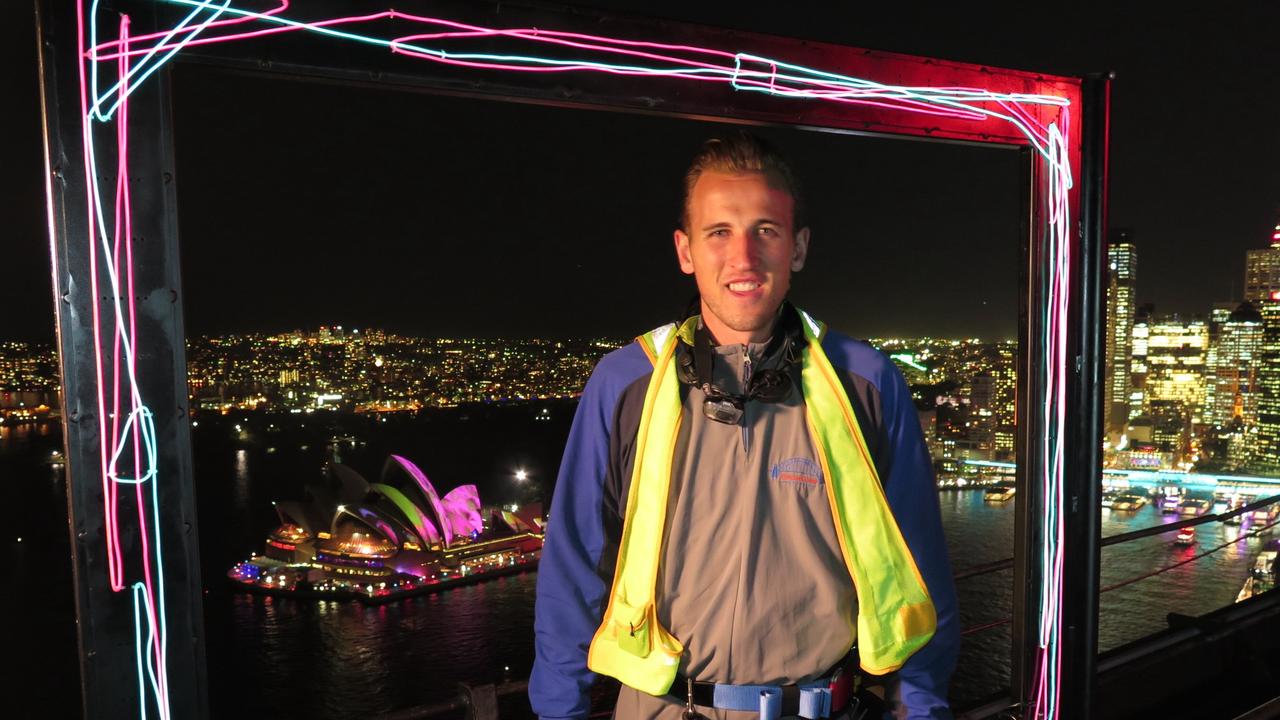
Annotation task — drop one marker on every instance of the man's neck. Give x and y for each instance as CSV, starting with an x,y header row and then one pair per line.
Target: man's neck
x,y
722,334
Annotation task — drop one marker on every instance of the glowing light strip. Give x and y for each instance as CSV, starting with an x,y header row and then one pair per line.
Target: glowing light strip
x,y
138,430
1046,701
776,78
114,559
831,86
93,50
105,117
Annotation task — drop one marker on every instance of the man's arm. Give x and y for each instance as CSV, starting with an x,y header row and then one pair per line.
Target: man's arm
x,y
913,497
571,593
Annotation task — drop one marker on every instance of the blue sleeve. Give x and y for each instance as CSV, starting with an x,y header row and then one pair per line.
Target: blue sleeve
x,y
913,497
570,592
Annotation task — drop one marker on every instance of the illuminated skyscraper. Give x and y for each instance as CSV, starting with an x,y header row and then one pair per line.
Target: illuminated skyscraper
x,y
1138,359
1167,380
1234,362
1267,442
1262,270
1266,451
1122,266
992,404
1175,363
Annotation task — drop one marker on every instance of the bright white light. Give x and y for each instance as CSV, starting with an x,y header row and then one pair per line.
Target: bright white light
x,y
521,475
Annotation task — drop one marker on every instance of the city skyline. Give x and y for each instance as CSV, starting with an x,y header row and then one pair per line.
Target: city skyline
x,y
942,218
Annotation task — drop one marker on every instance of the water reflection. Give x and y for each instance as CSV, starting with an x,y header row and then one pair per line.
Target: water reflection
x,y
240,498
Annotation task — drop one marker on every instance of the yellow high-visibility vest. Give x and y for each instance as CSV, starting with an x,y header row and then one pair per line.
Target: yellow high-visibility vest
x,y
895,615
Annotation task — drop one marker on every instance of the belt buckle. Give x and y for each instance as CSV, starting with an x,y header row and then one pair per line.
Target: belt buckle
x,y
689,712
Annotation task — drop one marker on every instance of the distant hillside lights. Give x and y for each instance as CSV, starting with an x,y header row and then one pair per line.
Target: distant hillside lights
x,y
378,372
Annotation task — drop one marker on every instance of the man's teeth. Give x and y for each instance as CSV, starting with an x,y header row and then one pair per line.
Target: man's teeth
x,y
743,286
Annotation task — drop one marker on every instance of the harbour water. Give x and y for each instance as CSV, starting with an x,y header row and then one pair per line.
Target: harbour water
x,y
276,657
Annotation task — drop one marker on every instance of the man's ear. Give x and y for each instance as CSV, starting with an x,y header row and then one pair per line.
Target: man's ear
x,y
801,250
682,252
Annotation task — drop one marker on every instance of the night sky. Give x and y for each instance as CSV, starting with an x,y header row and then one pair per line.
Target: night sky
x,y
305,204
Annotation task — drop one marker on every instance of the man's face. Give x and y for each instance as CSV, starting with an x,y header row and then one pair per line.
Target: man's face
x,y
741,249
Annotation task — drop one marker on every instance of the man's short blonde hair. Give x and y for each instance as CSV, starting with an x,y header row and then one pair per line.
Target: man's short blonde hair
x,y
738,153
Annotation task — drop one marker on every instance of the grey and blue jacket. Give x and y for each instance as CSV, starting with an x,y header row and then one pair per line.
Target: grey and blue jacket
x,y
751,576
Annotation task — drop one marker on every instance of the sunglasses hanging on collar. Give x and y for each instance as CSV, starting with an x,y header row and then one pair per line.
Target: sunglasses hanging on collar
x,y
766,385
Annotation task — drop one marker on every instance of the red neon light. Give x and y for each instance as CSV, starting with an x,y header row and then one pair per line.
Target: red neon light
x,y
115,560
126,42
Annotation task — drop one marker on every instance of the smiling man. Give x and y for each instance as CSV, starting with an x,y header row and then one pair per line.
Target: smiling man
x,y
745,516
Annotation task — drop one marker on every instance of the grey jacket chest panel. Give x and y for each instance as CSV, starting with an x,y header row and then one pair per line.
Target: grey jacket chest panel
x,y
863,397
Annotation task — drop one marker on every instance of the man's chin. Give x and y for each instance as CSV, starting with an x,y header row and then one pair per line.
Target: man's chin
x,y
750,325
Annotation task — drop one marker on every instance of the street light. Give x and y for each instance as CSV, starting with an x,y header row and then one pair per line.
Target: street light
x,y
521,475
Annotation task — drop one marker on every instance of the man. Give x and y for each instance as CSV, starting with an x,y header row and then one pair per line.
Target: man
x,y
743,496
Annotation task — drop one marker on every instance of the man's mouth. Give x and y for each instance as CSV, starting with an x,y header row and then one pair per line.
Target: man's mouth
x,y
743,286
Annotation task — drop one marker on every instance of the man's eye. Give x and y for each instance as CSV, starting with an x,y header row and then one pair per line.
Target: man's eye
x,y
768,231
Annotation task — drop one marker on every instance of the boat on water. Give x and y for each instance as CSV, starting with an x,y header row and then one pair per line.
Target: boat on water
x,y
1266,515
998,494
1234,502
1263,574
1185,537
1128,502
1170,499
1194,506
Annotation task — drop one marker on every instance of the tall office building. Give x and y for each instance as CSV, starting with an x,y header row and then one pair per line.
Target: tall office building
x,y
1122,266
993,404
1262,270
1175,365
1266,450
1138,358
1267,441
1234,362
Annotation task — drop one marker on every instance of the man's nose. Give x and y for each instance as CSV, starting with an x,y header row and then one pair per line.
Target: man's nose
x,y
743,250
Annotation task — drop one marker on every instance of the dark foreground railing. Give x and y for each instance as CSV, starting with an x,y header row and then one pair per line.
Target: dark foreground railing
x,y
478,702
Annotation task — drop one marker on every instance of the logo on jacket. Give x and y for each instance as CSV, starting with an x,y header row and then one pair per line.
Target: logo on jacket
x,y
797,470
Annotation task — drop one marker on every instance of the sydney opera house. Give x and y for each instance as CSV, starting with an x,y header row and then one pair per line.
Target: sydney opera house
x,y
378,541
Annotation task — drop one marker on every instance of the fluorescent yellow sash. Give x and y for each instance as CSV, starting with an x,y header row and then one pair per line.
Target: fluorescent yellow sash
x,y
895,615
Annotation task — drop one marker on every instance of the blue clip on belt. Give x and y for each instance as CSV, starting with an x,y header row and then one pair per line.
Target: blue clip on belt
x,y
815,699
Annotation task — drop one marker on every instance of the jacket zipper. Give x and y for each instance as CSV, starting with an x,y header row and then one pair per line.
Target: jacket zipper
x,y
746,380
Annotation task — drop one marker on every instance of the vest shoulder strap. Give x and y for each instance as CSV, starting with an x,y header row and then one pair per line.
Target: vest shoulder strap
x,y
654,341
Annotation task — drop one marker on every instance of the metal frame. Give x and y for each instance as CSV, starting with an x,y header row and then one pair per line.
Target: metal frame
x,y
104,615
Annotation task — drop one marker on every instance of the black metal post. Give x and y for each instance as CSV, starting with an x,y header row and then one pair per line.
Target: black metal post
x,y
106,617
1030,396
1083,463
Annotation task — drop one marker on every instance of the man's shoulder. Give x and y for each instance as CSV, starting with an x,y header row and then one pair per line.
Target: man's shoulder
x,y
619,368
859,358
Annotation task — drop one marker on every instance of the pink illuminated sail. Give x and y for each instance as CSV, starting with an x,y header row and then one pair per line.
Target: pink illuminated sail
x,y
462,507
446,528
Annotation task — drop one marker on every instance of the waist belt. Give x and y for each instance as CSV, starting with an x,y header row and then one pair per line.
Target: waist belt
x,y
812,700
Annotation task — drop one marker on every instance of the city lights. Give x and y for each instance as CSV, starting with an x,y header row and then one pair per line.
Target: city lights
x,y
298,371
